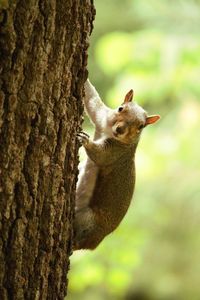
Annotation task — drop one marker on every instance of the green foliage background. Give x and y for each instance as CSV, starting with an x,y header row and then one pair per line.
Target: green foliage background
x,y
153,47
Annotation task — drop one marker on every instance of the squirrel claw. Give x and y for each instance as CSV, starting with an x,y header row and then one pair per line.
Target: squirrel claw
x,y
84,133
83,137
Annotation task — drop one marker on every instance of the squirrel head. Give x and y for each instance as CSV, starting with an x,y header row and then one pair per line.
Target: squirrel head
x,y
129,120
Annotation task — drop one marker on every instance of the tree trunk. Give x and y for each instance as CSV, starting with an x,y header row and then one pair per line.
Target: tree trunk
x,y
43,45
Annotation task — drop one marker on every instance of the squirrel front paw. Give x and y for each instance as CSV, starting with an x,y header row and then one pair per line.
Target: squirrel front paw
x,y
83,138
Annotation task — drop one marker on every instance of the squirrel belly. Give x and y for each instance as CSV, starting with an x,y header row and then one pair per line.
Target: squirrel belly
x,y
106,181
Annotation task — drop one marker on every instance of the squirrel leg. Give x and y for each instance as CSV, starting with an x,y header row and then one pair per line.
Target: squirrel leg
x,y
99,152
94,106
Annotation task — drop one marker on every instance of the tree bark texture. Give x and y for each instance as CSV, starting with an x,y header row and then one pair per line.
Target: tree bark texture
x,y
43,57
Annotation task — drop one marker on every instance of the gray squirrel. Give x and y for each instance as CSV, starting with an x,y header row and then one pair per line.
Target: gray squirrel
x,y
106,181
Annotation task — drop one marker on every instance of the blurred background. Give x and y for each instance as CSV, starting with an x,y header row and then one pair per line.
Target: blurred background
x,y
153,47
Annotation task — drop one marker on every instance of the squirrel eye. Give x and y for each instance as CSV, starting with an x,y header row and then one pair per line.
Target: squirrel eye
x,y
120,108
120,130
141,127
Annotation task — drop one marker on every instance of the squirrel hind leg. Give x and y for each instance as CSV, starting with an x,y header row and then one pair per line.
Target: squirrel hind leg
x,y
87,235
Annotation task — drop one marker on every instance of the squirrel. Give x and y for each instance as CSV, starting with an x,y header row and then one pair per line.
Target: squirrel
x,y
106,181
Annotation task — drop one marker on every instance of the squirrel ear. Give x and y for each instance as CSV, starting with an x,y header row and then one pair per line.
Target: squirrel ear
x,y
129,96
152,119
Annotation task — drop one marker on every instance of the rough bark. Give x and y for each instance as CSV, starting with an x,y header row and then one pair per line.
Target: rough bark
x,y
43,56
